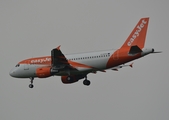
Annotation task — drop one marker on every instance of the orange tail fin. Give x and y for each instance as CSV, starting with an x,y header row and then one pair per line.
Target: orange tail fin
x,y
138,35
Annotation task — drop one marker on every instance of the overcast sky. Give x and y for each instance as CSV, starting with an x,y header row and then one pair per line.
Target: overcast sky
x,y
33,28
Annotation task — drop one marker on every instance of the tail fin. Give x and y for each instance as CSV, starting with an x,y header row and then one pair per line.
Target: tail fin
x,y
138,35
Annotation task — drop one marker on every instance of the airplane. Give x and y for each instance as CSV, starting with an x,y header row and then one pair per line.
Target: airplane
x,y
74,67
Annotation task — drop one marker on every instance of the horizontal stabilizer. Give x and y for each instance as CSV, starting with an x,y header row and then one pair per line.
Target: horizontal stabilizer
x,y
134,50
158,52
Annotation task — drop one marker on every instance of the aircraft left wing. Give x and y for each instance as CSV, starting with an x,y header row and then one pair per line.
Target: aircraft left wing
x,y
58,60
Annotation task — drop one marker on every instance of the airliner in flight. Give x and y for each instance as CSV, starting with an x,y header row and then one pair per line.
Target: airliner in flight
x,y
73,67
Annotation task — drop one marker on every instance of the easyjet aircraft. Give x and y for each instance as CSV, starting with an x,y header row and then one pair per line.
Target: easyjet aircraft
x,y
73,67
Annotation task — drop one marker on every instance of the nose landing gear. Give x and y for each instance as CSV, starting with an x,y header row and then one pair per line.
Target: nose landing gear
x,y
31,85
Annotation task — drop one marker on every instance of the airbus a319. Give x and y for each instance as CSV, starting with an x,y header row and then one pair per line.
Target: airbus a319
x,y
74,67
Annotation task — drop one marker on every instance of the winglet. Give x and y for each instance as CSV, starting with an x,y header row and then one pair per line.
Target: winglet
x,y
131,65
58,48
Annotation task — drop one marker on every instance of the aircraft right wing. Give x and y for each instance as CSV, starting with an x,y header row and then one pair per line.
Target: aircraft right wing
x,y
120,66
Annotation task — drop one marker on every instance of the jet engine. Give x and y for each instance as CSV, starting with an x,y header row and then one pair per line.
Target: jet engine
x,y
71,79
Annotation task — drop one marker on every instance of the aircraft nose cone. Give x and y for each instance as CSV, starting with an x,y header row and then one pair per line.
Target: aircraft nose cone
x,y
12,73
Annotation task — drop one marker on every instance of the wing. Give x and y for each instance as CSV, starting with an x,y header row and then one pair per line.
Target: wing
x,y
120,66
58,60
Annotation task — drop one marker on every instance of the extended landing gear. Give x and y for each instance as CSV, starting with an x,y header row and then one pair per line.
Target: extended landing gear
x,y
31,85
86,82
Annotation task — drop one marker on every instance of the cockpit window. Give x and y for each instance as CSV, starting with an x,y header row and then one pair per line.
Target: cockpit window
x,y
17,65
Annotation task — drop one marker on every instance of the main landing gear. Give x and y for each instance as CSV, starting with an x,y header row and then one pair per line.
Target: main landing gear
x,y
86,82
31,85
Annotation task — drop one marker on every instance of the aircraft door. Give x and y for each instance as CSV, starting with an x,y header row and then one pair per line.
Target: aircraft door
x,y
26,66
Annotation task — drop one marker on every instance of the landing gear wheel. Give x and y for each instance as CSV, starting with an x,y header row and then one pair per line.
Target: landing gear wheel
x,y
31,86
86,82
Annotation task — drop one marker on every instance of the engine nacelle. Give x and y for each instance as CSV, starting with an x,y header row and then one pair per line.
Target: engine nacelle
x,y
71,79
43,72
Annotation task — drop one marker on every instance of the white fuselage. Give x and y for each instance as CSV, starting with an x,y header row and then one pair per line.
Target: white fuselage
x,y
96,60
83,62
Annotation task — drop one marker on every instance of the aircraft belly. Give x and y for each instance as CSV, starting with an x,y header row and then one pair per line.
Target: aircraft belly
x,y
89,66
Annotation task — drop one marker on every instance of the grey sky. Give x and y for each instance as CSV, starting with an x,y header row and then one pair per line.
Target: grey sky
x,y
32,28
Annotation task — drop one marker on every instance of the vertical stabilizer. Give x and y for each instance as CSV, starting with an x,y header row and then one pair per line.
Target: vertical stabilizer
x,y
138,35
